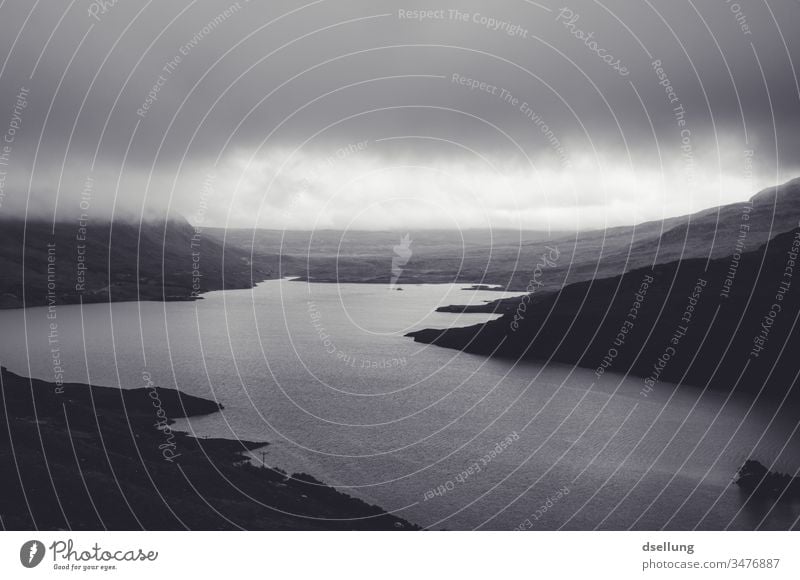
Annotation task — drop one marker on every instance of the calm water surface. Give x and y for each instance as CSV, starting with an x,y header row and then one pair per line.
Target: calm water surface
x,y
324,374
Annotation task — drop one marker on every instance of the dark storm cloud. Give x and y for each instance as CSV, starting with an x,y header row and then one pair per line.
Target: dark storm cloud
x,y
148,97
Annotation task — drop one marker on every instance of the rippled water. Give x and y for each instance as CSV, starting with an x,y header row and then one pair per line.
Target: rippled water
x,y
324,374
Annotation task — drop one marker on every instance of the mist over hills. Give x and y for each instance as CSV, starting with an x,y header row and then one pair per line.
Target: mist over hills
x,y
507,258
169,259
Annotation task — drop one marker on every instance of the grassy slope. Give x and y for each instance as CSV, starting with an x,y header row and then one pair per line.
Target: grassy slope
x,y
124,262
579,324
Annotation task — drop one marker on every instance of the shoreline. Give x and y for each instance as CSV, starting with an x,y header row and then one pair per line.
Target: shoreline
x,y
92,457
8,302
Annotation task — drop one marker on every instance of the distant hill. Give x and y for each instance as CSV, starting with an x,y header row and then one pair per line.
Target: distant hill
x,y
157,260
507,258
697,321
714,232
501,257
437,256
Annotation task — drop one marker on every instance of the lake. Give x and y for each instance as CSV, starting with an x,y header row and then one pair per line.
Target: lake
x,y
323,373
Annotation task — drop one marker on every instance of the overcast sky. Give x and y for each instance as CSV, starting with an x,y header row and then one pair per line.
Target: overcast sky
x,y
358,114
